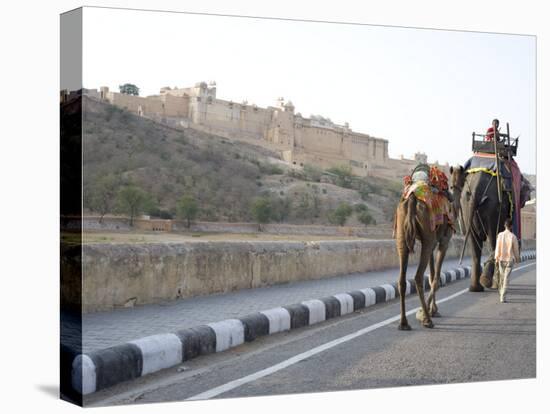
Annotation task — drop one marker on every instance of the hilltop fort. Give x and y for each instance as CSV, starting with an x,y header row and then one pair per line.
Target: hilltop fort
x,y
299,140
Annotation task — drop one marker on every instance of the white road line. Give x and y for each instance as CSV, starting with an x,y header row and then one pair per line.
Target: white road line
x,y
214,392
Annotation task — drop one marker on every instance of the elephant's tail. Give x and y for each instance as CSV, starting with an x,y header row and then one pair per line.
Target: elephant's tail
x,y
410,222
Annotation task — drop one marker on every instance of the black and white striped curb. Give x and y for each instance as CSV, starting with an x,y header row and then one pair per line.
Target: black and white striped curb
x,y
104,368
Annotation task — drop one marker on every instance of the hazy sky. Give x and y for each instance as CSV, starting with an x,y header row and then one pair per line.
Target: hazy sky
x,y
423,90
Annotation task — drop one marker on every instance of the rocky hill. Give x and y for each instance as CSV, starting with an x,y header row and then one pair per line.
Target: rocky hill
x,y
222,176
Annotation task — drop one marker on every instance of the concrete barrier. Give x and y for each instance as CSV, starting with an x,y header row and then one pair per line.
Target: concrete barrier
x,y
118,275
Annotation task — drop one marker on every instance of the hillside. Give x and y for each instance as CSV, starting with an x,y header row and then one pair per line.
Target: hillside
x,y
222,176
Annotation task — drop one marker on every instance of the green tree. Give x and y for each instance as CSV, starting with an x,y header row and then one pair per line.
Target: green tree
x,y
129,89
312,172
343,175
261,210
364,190
187,209
340,214
280,208
103,195
365,218
132,201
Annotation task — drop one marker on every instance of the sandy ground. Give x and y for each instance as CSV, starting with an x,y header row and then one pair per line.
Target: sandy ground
x,y
159,237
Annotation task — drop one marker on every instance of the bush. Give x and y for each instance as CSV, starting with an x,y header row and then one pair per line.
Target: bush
x,y
187,209
340,215
344,176
365,218
261,209
312,173
280,208
270,169
308,204
133,201
102,195
299,175
111,110
162,214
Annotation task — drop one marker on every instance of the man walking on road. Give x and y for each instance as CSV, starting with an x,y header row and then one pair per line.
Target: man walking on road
x,y
506,254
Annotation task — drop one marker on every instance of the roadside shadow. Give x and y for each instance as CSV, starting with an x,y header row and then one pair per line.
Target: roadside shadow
x,y
504,326
49,389
453,328
523,300
520,321
522,288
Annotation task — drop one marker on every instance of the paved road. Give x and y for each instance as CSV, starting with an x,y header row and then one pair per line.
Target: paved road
x,y
476,339
103,329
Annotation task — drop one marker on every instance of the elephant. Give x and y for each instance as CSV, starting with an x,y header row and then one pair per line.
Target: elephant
x,y
412,221
481,218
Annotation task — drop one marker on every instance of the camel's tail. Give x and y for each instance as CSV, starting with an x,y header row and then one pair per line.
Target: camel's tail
x,y
409,225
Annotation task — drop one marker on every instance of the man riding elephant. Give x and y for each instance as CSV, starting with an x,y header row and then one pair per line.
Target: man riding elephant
x,y
493,131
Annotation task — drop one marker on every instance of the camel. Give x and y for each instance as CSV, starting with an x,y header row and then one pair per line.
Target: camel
x,y
412,222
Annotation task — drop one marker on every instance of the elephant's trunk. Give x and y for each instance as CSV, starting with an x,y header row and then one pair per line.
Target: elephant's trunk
x,y
410,222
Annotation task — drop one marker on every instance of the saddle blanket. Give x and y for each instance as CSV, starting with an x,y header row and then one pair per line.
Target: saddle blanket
x,y
438,205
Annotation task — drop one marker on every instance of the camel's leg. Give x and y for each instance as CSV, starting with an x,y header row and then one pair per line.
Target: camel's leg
x,y
430,301
441,252
403,252
475,286
427,248
402,285
434,284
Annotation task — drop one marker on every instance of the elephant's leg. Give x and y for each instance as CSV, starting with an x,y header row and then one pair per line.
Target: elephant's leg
x,y
425,254
475,249
402,285
488,272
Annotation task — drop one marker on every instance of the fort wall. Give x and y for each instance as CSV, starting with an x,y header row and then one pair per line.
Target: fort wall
x,y
300,140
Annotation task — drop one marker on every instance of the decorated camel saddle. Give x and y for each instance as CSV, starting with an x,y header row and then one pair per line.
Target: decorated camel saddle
x,y
429,185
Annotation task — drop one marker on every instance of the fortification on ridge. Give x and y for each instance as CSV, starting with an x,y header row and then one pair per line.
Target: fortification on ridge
x,y
299,140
